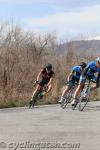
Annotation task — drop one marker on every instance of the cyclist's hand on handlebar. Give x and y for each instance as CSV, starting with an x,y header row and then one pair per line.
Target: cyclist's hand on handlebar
x,y
94,81
67,82
36,82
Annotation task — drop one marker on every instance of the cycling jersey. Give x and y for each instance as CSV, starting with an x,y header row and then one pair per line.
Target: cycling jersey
x,y
77,70
90,71
46,76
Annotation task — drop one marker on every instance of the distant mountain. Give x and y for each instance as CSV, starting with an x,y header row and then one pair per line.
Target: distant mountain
x,y
91,46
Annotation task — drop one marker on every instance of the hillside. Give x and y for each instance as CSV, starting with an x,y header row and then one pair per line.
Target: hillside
x,y
91,46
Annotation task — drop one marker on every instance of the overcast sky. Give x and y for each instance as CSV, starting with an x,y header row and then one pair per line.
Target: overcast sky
x,y
67,18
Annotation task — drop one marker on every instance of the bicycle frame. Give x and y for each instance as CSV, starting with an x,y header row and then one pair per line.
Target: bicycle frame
x,y
68,97
37,96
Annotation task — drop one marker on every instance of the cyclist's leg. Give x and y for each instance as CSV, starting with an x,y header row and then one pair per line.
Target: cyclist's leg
x,y
33,98
38,88
43,83
77,92
70,84
49,88
46,91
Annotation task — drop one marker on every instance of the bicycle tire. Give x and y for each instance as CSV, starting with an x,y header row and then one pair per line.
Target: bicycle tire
x,y
33,101
31,104
82,103
76,103
65,102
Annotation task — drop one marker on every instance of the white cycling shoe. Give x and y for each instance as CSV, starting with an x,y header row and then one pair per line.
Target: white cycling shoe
x,y
61,100
73,102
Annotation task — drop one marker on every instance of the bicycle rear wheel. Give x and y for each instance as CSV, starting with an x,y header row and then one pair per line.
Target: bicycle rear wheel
x,y
82,103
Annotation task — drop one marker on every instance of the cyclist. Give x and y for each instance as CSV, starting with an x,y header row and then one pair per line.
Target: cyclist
x,y
73,79
44,77
88,74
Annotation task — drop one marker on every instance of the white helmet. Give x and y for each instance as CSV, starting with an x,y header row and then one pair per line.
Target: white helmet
x,y
98,59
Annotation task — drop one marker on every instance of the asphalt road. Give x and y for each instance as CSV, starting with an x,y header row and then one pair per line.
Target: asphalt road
x,y
50,128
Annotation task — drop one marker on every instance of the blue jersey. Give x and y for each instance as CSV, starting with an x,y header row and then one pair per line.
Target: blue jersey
x,y
90,71
77,72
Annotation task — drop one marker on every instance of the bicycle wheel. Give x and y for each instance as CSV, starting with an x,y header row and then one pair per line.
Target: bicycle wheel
x,y
66,100
33,101
31,104
76,103
82,103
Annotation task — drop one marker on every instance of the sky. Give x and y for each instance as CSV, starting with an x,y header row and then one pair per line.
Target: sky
x,y
65,18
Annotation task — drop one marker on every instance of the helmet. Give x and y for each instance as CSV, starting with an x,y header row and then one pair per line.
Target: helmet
x,y
98,59
49,66
83,64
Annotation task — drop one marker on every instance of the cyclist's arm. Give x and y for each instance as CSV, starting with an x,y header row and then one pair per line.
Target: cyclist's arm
x,y
50,80
39,75
70,76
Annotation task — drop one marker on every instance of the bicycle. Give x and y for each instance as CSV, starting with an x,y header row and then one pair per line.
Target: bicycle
x,y
68,97
39,95
84,96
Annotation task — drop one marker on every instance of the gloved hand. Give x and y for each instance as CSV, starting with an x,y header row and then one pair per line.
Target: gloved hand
x,y
36,82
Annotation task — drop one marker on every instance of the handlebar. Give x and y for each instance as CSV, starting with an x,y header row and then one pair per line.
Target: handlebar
x,y
91,80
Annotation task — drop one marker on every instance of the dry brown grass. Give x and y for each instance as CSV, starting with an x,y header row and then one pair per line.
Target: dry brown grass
x,y
21,57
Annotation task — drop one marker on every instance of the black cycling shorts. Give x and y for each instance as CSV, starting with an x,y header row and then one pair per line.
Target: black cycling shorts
x,y
43,82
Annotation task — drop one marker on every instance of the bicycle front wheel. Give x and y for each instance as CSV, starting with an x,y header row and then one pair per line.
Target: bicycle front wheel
x,y
33,100
65,102
75,105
